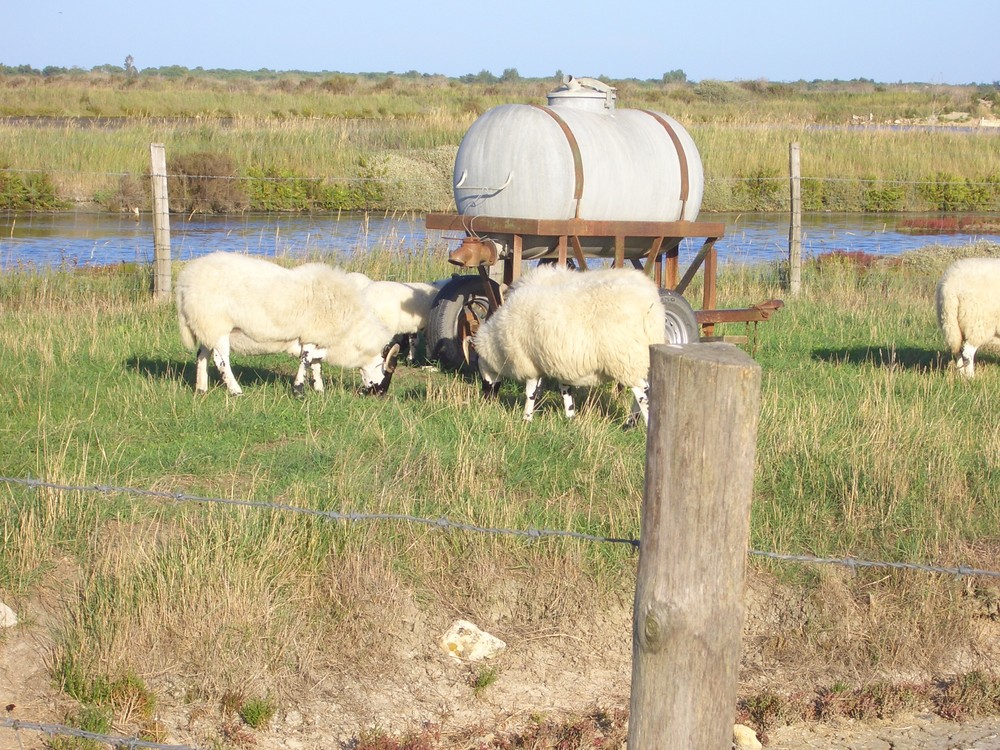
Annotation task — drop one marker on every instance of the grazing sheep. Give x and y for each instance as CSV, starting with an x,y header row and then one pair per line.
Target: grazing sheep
x,y
403,307
968,309
309,357
579,328
313,308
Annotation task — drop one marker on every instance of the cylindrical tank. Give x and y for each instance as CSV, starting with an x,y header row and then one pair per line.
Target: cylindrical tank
x,y
579,157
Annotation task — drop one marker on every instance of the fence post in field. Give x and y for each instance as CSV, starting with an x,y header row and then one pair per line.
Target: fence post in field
x,y
688,616
161,223
795,230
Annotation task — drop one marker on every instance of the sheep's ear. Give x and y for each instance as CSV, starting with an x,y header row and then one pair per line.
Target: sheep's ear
x,y
389,363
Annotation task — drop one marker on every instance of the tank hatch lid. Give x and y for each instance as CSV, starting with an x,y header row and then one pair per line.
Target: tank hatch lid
x,y
584,93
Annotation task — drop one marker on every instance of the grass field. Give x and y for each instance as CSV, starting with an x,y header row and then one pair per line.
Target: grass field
x,y
309,142
869,447
205,620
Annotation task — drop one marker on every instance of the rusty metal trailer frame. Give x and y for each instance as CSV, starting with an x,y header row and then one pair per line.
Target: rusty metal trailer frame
x,y
660,261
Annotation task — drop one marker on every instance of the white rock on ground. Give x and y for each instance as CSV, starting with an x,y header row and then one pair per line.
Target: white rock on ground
x,y
744,738
7,617
466,642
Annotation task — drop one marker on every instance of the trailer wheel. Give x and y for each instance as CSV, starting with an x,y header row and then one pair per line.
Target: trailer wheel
x,y
679,321
459,308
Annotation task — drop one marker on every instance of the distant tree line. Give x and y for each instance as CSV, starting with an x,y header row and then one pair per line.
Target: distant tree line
x,y
129,70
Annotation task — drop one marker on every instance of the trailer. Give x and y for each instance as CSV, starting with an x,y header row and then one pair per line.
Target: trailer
x,y
578,182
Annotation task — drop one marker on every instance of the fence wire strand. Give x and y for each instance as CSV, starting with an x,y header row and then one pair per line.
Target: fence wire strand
x,y
59,729
445,523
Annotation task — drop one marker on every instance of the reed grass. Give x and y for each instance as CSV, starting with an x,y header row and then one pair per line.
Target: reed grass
x,y
327,127
869,446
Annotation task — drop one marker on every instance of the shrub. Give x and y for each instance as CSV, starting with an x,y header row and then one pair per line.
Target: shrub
x,y
830,195
27,192
762,190
205,182
273,189
257,712
338,84
717,92
132,193
879,197
948,192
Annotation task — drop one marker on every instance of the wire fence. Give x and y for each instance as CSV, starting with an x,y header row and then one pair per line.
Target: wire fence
x,y
52,730
448,524
426,187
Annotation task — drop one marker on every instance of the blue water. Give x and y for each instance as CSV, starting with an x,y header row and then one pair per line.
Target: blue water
x,y
73,239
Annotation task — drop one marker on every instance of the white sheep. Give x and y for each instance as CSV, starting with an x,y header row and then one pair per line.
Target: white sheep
x,y
313,307
403,307
308,356
968,309
579,328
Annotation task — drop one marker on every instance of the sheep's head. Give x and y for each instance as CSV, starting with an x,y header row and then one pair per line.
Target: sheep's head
x,y
375,377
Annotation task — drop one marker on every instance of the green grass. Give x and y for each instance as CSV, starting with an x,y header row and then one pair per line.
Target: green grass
x,y
403,133
868,446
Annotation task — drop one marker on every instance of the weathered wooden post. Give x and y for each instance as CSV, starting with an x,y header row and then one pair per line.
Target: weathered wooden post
x,y
161,223
688,618
795,227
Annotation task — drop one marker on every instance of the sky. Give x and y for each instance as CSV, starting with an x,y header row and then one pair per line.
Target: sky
x,y
887,41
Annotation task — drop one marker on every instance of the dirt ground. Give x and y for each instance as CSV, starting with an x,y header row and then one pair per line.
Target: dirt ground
x,y
555,669
918,732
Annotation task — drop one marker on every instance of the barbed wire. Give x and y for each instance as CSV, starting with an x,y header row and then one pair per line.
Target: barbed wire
x,y
392,180
851,563
243,178
330,515
59,729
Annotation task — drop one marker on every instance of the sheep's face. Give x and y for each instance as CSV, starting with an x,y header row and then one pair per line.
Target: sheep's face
x,y
376,376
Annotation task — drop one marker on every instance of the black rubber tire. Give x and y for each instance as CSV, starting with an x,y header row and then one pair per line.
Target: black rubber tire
x,y
461,302
679,322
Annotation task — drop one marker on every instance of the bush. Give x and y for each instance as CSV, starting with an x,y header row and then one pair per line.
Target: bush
x,y
830,195
339,84
762,190
133,193
205,182
879,197
27,192
948,192
272,189
257,712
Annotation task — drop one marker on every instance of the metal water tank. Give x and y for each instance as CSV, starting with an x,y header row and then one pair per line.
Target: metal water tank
x,y
578,158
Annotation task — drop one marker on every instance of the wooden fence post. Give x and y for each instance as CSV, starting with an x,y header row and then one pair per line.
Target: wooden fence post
x,y
795,228
161,223
688,617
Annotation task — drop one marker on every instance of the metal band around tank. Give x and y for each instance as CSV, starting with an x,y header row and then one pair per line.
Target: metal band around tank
x,y
681,156
575,148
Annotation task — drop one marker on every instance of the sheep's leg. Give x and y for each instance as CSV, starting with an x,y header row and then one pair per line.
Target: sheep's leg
x,y
316,365
221,354
640,404
311,359
201,370
298,385
965,362
567,397
532,390
411,348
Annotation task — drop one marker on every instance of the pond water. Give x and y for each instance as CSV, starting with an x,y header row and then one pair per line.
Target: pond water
x,y
51,240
